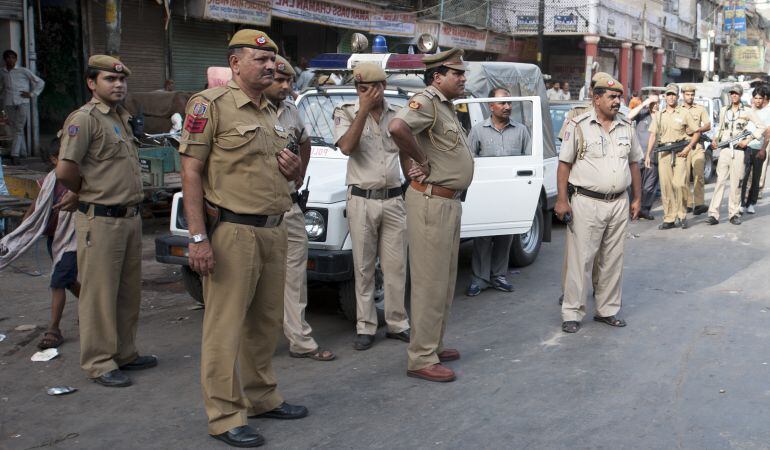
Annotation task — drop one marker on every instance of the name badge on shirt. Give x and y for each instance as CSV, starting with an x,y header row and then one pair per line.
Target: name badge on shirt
x,y
279,128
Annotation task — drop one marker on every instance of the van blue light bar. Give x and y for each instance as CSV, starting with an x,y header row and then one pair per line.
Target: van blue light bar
x,y
330,61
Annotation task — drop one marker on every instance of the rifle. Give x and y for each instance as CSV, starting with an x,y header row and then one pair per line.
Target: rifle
x,y
676,147
729,142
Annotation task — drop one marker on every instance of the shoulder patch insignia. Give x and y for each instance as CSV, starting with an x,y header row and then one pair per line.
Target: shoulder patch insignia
x,y
199,109
195,124
414,104
72,130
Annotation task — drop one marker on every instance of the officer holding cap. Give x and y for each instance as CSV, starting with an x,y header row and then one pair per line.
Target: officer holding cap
x,y
99,161
375,204
235,169
696,159
295,327
673,124
600,159
429,132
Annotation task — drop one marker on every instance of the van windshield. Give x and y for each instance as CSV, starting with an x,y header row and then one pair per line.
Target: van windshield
x,y
317,110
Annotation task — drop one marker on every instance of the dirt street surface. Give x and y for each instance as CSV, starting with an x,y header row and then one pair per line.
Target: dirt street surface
x,y
690,371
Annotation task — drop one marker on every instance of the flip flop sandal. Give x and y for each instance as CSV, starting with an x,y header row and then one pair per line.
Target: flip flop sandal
x,y
611,321
570,326
317,354
47,342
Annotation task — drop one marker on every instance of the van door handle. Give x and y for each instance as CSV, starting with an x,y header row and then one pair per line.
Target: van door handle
x,y
524,173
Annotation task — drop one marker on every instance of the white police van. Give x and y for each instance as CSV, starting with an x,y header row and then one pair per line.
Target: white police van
x,y
508,195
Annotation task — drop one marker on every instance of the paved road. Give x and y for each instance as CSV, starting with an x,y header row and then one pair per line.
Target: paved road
x,y
690,371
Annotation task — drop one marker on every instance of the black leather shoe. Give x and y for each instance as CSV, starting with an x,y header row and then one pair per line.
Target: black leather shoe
x,y
666,226
735,220
141,363
712,220
684,224
700,209
646,215
402,336
113,378
284,412
689,209
243,436
363,341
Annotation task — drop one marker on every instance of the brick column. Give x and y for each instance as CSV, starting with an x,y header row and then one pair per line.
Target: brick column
x,y
638,64
592,49
657,79
625,50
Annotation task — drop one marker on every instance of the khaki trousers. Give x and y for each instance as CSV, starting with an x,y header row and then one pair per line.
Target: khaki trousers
x,y
490,258
565,262
241,323
295,327
730,166
433,227
673,187
597,234
110,268
696,162
377,227
762,178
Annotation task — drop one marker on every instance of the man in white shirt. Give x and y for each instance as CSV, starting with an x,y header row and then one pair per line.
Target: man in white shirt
x,y
555,92
565,94
17,86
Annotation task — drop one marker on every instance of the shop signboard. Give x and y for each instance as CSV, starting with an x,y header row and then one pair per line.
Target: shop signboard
x,y
252,12
498,43
392,24
463,37
526,24
322,13
565,23
748,58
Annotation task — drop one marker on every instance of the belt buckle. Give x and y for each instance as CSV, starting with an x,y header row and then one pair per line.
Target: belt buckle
x,y
607,197
273,221
377,194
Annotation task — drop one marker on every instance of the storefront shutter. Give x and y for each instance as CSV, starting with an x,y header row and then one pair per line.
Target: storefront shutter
x,y
195,46
142,41
11,9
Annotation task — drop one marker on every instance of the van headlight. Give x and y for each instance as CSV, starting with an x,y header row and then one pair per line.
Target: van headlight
x,y
315,225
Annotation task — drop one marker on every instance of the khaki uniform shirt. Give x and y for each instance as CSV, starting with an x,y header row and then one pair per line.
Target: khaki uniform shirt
x,y
375,163
238,140
600,159
100,140
432,119
732,123
673,126
701,116
290,120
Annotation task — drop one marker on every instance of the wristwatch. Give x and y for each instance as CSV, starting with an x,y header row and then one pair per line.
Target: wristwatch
x,y
198,238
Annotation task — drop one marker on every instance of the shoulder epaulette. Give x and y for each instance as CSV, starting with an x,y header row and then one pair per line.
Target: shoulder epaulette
x,y
581,117
426,93
212,93
88,107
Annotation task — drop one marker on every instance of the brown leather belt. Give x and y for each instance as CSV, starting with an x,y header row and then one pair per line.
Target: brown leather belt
x,y
437,190
598,195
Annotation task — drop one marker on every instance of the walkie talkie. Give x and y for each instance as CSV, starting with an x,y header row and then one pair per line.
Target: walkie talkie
x,y
293,146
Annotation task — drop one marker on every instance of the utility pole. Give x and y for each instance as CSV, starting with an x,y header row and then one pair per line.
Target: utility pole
x,y
540,30
112,20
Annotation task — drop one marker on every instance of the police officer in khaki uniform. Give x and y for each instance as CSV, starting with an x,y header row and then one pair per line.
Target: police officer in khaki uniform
x,y
375,206
673,124
696,159
99,161
733,120
429,132
600,159
235,167
570,116
295,327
